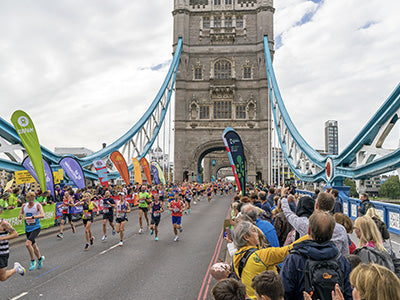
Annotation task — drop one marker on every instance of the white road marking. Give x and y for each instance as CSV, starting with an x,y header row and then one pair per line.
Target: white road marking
x,y
19,296
105,251
395,243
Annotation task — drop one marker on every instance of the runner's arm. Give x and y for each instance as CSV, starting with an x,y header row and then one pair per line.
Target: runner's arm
x,y
21,212
128,207
41,212
12,233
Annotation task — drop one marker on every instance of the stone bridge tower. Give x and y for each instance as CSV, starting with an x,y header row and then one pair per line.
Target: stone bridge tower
x,y
222,82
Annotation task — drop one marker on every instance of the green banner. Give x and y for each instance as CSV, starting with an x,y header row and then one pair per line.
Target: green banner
x,y
27,133
11,216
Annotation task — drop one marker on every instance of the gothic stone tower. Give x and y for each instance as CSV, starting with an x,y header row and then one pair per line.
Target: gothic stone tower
x,y
222,82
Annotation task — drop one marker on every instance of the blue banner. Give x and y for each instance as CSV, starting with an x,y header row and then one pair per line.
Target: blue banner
x,y
74,171
155,173
27,164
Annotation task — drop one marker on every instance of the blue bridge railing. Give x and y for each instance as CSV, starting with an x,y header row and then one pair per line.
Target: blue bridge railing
x,y
389,213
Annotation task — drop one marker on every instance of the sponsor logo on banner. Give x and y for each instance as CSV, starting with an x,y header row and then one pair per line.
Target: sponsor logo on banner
x,y
73,170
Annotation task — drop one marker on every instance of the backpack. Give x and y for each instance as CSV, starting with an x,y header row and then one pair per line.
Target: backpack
x,y
244,259
320,277
368,255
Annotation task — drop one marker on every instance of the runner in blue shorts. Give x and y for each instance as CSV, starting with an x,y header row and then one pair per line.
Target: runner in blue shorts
x,y
156,210
176,207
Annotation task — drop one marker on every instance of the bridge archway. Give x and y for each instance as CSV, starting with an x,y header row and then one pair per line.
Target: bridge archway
x,y
217,148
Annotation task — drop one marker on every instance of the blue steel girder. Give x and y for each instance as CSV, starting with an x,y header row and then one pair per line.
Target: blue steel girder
x,y
363,158
151,120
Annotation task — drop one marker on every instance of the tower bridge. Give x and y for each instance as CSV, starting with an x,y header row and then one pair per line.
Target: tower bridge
x,y
222,75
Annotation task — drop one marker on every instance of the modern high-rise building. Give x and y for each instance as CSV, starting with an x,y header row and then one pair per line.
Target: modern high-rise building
x,y
331,137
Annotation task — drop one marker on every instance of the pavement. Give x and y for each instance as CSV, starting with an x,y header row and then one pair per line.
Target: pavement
x,y
141,269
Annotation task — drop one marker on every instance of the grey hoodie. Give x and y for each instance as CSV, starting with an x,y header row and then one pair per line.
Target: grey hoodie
x,y
300,224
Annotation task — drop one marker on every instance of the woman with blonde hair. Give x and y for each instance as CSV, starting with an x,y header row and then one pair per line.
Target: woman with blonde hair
x,y
370,248
374,282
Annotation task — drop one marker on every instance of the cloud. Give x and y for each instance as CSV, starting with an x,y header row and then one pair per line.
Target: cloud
x,y
339,65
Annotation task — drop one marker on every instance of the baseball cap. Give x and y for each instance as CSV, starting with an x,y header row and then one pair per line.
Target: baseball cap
x,y
121,194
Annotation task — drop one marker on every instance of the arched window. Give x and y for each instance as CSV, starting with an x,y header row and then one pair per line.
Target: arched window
x,y
222,69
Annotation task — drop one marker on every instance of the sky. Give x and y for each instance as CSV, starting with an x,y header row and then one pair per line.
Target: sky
x,y
85,71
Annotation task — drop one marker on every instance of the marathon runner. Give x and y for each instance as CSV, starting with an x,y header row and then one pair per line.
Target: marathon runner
x,y
144,200
66,207
156,209
7,232
108,204
87,218
32,212
120,212
209,193
188,199
176,207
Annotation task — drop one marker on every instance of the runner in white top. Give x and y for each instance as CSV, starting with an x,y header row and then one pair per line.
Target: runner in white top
x,y
32,212
121,209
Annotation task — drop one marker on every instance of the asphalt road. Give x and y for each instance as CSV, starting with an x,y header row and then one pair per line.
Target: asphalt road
x,y
141,269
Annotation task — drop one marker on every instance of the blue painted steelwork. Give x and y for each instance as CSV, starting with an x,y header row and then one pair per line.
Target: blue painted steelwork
x,y
309,165
8,132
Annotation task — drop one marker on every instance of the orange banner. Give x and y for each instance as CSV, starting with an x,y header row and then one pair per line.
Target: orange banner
x,y
120,163
146,169
137,170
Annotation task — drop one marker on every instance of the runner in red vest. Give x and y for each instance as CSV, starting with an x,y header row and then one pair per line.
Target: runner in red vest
x,y
176,207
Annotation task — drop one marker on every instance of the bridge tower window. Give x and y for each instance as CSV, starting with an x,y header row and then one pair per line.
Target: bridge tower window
x,y
198,73
217,2
228,22
222,109
206,22
204,112
217,22
240,111
222,69
239,22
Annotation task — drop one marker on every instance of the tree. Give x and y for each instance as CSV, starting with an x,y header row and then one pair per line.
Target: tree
x,y
352,185
390,188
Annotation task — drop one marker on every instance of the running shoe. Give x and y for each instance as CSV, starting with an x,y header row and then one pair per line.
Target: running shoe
x,y
86,247
151,232
121,243
141,230
156,239
73,229
176,238
113,232
40,262
19,269
181,229
60,235
32,266
104,238
92,240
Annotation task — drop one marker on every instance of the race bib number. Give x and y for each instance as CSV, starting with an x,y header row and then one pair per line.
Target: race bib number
x,y
176,210
88,215
29,221
141,201
156,214
106,210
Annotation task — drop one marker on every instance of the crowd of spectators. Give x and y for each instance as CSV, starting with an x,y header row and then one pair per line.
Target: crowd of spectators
x,y
286,246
